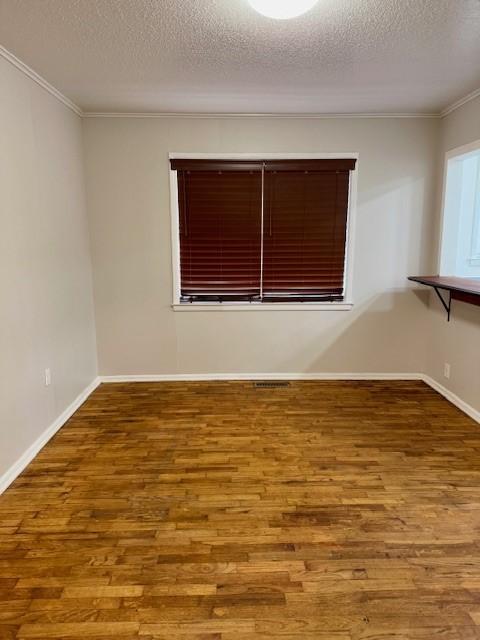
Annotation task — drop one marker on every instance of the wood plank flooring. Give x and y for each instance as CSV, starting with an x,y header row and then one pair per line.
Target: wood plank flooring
x,y
217,511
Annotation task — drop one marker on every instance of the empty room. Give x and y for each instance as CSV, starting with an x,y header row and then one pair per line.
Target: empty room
x,y
240,319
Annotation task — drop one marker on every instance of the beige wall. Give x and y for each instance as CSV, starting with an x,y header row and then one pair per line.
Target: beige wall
x,y
46,310
457,342
128,204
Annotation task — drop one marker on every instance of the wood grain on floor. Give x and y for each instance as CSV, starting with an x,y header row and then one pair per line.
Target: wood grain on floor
x,y
217,511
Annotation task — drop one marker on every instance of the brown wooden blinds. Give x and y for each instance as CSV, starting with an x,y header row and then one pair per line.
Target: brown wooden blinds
x,y
263,230
305,234
220,233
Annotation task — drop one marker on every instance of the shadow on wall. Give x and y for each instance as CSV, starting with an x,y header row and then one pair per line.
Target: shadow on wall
x,y
394,226
467,313
364,340
460,311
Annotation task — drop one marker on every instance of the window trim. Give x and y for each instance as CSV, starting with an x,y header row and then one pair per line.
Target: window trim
x,y
344,305
442,258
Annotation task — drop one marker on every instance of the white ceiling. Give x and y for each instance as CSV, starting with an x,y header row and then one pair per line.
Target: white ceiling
x,y
344,56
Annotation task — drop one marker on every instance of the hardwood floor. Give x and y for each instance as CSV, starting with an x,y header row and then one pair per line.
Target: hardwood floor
x,y
217,511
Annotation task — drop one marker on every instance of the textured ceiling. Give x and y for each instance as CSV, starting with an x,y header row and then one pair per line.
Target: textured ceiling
x,y
344,56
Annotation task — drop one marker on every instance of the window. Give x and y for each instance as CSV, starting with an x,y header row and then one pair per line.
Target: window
x,y
475,257
460,250
261,231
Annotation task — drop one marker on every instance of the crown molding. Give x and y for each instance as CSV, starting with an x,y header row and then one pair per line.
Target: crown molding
x,y
33,75
303,116
459,103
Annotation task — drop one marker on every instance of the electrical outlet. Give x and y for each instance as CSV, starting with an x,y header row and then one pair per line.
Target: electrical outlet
x,y
48,377
446,370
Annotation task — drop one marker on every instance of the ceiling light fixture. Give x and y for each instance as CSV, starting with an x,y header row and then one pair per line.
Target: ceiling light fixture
x,y
282,9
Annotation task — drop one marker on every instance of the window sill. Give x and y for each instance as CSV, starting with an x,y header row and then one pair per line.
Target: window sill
x,y
288,306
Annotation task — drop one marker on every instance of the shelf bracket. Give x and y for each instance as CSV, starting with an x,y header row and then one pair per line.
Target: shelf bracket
x,y
447,305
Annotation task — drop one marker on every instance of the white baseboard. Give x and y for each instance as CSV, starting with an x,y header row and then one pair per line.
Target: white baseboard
x,y
453,398
205,377
35,448
16,469
199,377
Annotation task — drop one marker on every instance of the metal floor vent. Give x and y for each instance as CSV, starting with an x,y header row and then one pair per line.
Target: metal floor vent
x,y
272,384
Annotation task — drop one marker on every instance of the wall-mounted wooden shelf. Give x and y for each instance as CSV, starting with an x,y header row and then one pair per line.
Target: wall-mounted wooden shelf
x,y
463,289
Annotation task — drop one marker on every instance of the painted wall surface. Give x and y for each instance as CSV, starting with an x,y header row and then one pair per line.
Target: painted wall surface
x,y
456,342
127,175
46,301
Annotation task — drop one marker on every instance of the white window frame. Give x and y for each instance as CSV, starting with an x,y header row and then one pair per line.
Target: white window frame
x,y
450,221
344,305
